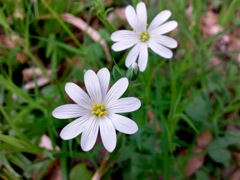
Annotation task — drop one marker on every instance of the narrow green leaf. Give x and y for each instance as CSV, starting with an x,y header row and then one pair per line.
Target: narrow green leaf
x,y
187,120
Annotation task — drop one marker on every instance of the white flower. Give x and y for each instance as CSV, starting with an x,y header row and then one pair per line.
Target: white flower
x,y
97,110
144,36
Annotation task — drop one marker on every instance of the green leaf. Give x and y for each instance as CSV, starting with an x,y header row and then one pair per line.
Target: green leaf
x,y
7,165
218,152
199,109
50,45
80,171
19,144
232,137
201,175
8,84
117,73
229,15
3,20
13,141
220,155
187,120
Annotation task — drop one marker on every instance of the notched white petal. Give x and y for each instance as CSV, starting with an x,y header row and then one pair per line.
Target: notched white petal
x,y
132,55
108,134
142,16
132,17
74,128
90,133
104,79
69,111
124,105
122,35
116,91
159,19
166,41
143,58
164,28
122,45
161,50
93,86
78,95
123,124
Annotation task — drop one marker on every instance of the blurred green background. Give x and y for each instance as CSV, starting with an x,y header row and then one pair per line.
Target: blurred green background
x,y
189,121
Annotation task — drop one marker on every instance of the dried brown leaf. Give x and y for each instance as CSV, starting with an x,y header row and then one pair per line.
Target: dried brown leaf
x,y
209,24
41,81
235,175
117,14
195,163
204,139
31,72
46,143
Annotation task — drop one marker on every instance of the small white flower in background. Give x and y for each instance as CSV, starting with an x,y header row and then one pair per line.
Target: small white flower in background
x,y
144,36
97,110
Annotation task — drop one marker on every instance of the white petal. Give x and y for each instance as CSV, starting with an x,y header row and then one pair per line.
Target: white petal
x,y
93,87
132,17
116,91
166,41
90,133
165,28
125,105
143,57
69,111
108,134
123,124
159,19
104,78
161,50
132,55
122,45
74,128
142,16
78,95
122,35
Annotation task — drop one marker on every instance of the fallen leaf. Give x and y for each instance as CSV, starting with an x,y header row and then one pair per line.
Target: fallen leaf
x,y
46,143
235,175
209,24
204,139
39,82
30,73
117,15
195,163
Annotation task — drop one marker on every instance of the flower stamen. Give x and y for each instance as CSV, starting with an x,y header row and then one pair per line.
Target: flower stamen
x,y
99,110
144,36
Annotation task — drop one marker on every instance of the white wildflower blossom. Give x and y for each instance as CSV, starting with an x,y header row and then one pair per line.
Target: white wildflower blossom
x,y
144,36
98,110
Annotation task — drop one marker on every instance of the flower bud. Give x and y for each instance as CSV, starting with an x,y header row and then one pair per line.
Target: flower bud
x,y
132,72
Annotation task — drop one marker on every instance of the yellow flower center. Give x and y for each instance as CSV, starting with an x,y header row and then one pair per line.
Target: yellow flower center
x,y
144,36
99,110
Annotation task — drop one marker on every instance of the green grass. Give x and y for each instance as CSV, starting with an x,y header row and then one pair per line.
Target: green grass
x,y
185,96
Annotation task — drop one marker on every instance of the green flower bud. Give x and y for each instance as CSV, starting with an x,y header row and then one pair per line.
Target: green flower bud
x,y
132,72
